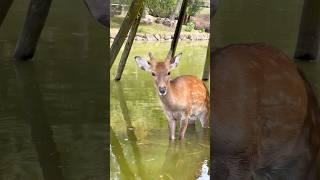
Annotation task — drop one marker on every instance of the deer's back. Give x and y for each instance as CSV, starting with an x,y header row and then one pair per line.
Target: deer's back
x,y
261,118
189,92
191,86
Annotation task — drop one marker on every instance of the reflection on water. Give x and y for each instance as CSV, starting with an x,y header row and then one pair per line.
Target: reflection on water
x,y
53,109
204,171
140,148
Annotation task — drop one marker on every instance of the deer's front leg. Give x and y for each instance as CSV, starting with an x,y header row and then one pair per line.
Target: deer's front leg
x,y
183,125
171,125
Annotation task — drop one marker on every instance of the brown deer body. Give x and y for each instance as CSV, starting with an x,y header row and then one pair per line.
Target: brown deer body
x,y
265,116
183,98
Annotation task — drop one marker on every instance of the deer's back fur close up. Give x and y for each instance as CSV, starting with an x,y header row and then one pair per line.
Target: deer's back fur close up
x,y
266,122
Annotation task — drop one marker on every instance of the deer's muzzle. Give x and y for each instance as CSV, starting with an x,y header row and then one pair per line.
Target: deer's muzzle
x,y
162,91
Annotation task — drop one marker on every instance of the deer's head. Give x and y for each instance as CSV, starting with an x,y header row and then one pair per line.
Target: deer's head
x,y
160,70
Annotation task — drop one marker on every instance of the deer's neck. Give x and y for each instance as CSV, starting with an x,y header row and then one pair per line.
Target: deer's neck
x,y
170,98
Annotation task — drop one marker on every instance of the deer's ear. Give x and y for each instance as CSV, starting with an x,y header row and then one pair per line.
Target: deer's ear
x,y
175,61
143,64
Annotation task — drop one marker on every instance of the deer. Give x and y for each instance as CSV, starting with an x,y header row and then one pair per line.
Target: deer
x,y
185,98
265,118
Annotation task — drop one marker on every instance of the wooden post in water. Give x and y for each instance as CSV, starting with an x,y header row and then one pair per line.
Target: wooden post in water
x,y
4,8
206,69
35,20
179,26
214,6
309,35
97,8
134,9
128,46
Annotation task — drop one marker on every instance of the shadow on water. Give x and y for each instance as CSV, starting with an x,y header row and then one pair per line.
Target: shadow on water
x,y
34,113
117,151
130,131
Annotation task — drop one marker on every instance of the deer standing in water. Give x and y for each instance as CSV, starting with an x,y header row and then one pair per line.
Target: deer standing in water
x,y
266,121
185,97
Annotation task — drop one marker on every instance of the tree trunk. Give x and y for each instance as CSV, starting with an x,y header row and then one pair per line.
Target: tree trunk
x,y
188,18
176,10
145,12
185,17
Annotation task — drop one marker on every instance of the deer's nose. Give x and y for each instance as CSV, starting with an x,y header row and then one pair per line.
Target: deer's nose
x,y
162,90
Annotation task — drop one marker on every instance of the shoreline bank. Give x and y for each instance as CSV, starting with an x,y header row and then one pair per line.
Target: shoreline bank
x,y
168,37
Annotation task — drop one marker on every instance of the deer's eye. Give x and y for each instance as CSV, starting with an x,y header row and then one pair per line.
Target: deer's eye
x,y
153,74
169,73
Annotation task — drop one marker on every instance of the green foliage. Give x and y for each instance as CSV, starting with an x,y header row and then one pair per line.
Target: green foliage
x,y
190,26
160,8
202,30
194,7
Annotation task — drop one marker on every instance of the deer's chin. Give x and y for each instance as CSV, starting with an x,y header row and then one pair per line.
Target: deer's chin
x,y
163,93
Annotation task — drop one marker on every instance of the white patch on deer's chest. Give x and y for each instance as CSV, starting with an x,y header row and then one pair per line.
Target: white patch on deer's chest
x,y
172,104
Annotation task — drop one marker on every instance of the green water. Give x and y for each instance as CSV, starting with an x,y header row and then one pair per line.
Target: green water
x,y
140,147
53,109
